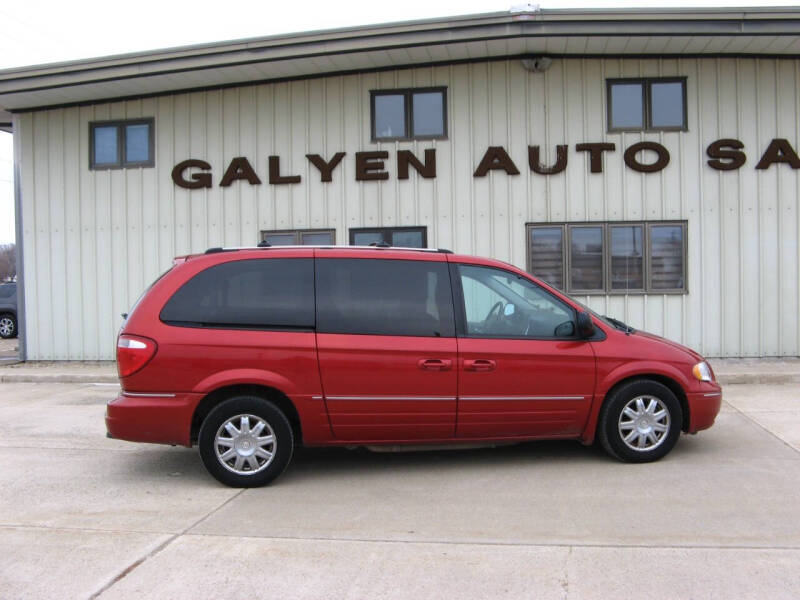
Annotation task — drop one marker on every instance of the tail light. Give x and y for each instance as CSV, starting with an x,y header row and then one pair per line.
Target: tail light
x,y
133,353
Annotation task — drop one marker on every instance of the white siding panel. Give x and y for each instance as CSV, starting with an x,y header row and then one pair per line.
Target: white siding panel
x,y
73,236
93,240
86,279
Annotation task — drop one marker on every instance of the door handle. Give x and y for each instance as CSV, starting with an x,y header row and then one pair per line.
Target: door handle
x,y
480,364
435,364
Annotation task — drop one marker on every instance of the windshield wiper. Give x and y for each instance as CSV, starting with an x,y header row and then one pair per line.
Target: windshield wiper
x,y
619,324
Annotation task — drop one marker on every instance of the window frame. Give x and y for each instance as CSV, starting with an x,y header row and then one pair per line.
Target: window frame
x,y
382,230
566,238
608,255
529,250
648,274
568,258
120,125
408,106
298,235
647,96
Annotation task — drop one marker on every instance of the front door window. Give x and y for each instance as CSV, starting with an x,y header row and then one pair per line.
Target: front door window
x,y
500,304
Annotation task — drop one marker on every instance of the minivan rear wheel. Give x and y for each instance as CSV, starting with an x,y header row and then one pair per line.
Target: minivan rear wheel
x,y
640,421
246,441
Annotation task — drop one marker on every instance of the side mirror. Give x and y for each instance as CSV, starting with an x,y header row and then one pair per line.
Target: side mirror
x,y
585,325
566,329
509,310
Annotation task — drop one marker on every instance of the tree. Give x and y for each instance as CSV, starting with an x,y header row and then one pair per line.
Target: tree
x,y
8,261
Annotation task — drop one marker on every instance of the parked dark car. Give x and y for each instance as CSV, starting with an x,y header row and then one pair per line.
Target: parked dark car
x,y
8,310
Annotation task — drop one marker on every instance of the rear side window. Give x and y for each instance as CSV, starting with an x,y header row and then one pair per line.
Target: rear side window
x,y
384,297
127,315
8,290
275,293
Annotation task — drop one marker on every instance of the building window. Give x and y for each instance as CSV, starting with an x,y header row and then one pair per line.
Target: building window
x,y
610,258
121,144
401,237
413,114
647,104
299,237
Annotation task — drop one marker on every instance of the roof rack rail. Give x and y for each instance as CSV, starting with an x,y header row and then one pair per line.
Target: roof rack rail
x,y
373,246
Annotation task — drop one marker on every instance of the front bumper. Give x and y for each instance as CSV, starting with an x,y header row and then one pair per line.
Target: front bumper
x,y
703,409
159,419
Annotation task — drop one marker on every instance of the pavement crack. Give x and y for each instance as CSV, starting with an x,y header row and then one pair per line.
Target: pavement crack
x,y
87,529
475,542
158,549
565,579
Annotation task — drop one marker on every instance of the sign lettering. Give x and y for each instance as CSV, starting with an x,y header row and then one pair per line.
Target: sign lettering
x,y
725,154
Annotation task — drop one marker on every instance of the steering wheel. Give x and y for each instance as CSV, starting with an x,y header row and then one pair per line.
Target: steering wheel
x,y
490,315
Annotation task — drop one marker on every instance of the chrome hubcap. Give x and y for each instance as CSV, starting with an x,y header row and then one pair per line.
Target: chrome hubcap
x,y
6,326
644,423
245,444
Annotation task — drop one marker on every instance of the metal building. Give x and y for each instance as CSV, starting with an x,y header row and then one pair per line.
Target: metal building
x,y
644,161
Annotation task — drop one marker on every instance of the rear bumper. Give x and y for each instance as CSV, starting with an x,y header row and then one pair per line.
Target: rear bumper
x,y
157,419
703,409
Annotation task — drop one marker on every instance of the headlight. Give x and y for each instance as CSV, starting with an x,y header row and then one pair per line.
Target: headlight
x,y
702,372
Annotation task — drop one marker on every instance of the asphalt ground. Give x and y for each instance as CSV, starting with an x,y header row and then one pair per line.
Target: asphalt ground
x,y
82,516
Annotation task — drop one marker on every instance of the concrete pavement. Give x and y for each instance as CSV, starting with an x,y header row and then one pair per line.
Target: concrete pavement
x,y
9,351
84,516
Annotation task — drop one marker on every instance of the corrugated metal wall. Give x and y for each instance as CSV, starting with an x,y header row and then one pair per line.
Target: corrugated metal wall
x,y
93,240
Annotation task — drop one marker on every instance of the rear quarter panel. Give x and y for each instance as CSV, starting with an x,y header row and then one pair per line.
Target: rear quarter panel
x,y
202,360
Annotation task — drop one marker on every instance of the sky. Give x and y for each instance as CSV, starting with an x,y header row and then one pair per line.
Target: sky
x,y
41,31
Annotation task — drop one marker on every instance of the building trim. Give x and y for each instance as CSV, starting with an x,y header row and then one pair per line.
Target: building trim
x,y
22,329
347,72
739,26
639,22
384,48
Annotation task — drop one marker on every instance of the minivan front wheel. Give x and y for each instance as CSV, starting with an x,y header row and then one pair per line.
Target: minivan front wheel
x,y
640,421
246,441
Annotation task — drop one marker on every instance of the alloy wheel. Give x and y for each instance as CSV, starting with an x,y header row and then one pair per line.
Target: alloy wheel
x,y
245,444
644,423
6,327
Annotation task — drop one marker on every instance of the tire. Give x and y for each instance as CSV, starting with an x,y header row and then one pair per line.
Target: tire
x,y
8,326
647,414
247,463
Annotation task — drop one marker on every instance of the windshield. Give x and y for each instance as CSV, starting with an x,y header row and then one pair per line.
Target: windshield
x,y
610,321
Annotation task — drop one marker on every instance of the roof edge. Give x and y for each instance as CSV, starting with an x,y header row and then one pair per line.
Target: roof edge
x,y
755,13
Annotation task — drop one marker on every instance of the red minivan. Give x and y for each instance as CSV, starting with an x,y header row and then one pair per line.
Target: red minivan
x,y
247,352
